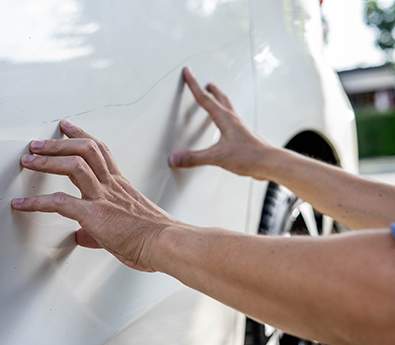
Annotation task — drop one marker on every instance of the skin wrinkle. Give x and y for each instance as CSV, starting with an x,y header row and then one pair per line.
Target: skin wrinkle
x,y
336,289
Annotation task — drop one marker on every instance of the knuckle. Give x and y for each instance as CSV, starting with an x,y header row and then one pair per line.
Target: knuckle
x,y
53,145
41,161
231,118
59,198
104,147
78,164
106,178
32,203
210,87
117,177
47,143
235,119
90,146
217,91
203,98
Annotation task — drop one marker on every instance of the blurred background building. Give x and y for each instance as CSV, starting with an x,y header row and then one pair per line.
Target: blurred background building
x,y
370,89
360,46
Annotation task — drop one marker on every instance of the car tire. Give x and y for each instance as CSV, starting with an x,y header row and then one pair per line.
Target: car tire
x,y
284,214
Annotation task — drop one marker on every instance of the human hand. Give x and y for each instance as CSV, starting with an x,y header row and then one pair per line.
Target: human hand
x,y
111,213
237,150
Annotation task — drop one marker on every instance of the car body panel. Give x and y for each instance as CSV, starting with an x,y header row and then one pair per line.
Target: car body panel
x,y
296,90
114,68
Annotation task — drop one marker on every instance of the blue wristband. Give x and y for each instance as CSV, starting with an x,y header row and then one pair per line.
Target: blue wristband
x,y
393,230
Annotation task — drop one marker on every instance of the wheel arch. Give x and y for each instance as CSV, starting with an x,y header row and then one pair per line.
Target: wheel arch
x,y
314,144
276,205
309,142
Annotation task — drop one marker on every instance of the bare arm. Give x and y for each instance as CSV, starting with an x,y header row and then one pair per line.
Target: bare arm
x,y
352,200
338,290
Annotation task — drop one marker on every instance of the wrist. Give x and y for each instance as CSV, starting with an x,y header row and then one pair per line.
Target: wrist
x,y
271,162
162,247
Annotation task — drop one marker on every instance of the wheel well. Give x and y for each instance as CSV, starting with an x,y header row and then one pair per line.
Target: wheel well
x,y
309,143
313,144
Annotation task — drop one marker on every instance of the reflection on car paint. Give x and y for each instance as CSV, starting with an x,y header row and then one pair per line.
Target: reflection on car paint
x,y
48,31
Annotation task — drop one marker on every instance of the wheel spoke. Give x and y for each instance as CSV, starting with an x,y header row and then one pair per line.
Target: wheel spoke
x,y
307,212
294,217
275,338
327,225
269,330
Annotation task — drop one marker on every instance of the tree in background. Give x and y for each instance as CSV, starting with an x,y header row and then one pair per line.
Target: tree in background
x,y
382,18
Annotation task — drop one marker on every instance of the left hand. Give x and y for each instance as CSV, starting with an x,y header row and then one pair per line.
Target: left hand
x,y
238,150
111,213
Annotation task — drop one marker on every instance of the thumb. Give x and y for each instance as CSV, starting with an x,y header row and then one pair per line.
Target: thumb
x,y
85,240
189,159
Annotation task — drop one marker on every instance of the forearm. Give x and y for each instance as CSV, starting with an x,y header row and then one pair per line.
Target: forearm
x,y
314,288
352,200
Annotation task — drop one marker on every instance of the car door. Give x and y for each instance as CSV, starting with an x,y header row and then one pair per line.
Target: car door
x,y
114,68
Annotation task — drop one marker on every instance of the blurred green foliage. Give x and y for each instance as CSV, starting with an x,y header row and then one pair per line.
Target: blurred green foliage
x,y
382,18
376,134
376,131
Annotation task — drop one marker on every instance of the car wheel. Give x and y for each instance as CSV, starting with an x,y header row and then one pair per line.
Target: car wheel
x,y
284,214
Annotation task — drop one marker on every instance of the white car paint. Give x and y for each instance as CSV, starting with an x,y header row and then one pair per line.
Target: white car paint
x,y
114,68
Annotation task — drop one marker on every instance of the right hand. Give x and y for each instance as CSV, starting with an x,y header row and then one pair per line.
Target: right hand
x,y
237,150
112,214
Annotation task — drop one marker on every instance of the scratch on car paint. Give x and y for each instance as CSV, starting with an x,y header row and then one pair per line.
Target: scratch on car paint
x,y
181,63
80,114
237,41
70,116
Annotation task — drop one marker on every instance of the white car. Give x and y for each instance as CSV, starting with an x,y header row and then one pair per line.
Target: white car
x,y
114,68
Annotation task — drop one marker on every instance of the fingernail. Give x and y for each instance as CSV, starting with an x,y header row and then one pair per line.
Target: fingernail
x,y
37,144
17,202
28,158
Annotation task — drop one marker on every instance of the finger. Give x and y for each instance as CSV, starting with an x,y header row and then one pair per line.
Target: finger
x,y
83,239
85,148
215,109
73,166
64,204
73,131
219,96
188,159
